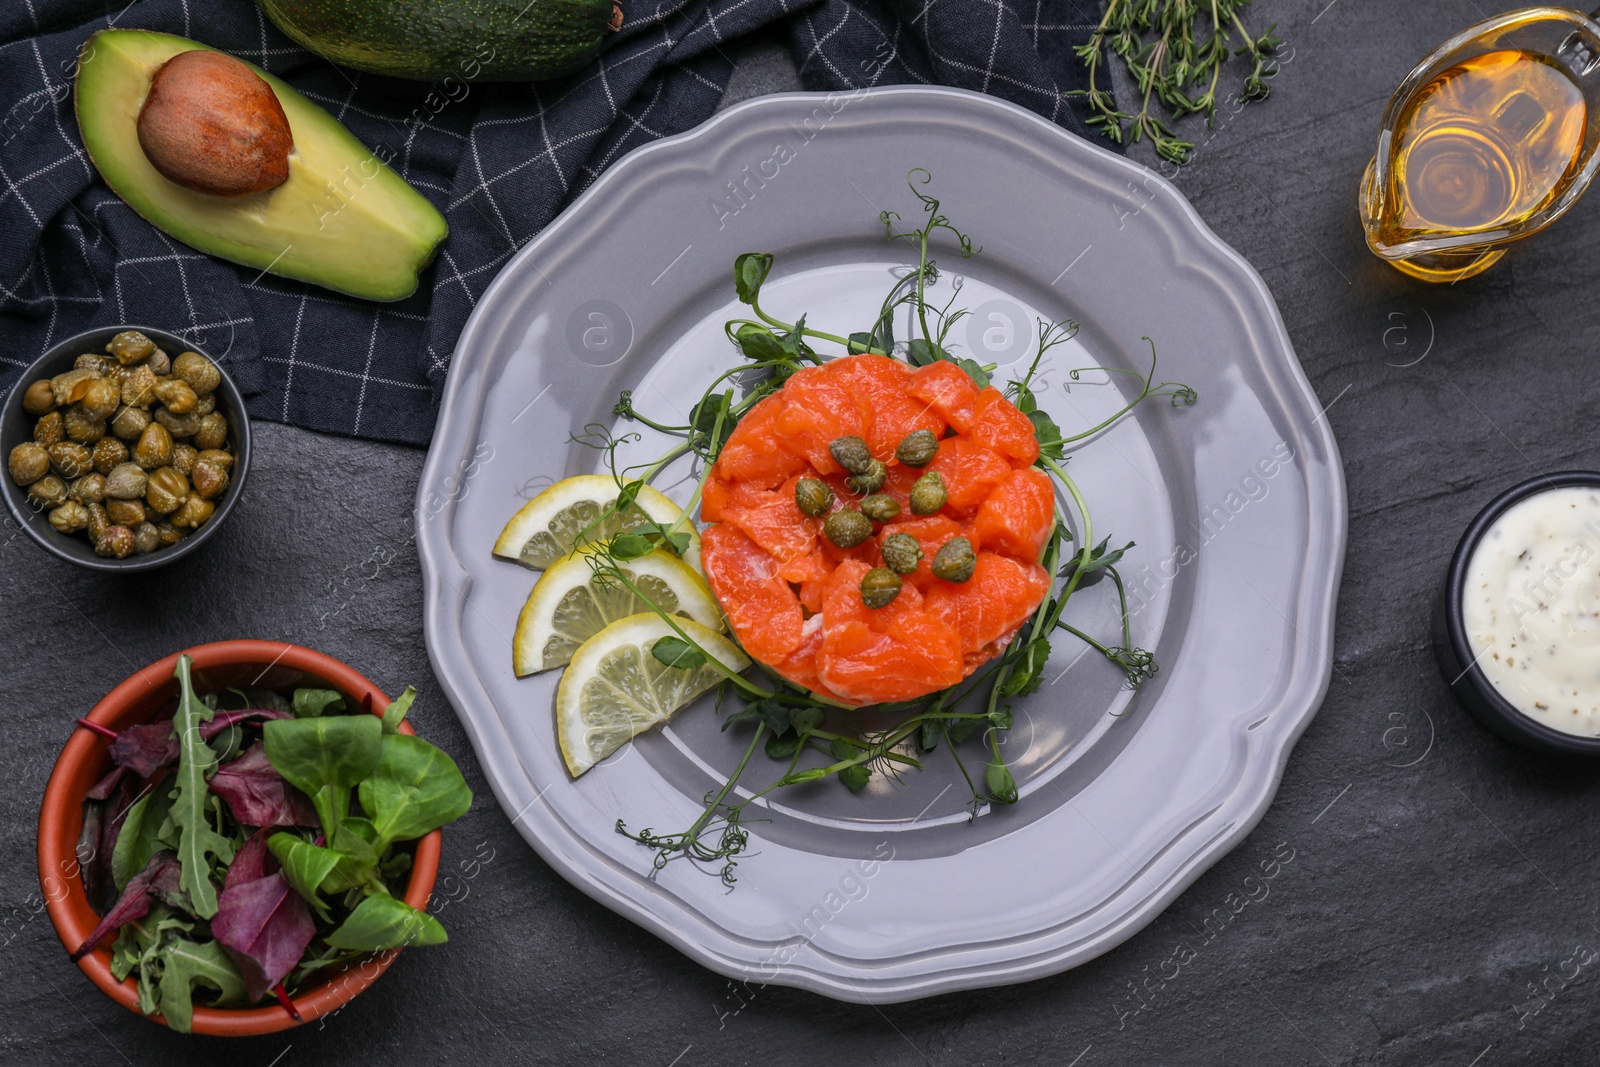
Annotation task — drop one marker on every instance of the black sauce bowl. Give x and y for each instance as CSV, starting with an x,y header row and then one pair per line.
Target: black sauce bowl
x,y
1454,653
16,426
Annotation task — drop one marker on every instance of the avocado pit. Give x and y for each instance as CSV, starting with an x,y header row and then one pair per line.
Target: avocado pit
x,y
211,124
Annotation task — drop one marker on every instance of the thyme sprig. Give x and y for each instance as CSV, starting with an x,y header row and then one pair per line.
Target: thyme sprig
x,y
1171,52
798,727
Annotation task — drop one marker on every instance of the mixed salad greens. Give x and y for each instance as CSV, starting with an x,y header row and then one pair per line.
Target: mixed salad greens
x,y
253,840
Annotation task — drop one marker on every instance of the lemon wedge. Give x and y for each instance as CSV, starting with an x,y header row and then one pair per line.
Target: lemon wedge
x,y
615,688
568,515
571,603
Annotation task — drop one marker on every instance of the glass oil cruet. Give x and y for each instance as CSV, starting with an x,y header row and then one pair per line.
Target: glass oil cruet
x,y
1489,140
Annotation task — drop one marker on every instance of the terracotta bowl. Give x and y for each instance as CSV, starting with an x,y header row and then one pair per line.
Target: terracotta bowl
x,y
84,760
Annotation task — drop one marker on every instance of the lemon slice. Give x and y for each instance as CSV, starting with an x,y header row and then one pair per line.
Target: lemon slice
x,y
568,515
615,688
570,604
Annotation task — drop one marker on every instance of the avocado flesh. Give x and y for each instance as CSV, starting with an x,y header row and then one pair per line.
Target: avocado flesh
x,y
430,40
342,219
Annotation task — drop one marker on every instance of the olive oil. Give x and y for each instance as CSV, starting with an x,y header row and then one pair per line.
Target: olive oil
x,y
1485,145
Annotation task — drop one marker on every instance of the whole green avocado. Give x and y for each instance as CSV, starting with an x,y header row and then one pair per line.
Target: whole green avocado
x,y
430,40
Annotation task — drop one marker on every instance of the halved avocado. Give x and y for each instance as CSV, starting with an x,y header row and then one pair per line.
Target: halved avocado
x,y
342,219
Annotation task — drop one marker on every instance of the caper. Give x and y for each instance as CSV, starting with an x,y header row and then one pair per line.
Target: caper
x,y
101,365
39,398
47,492
48,430
213,431
129,513
160,362
917,449
70,459
851,453
812,497
138,386
79,427
871,480
154,448
176,396
116,542
185,456
29,462
206,404
166,490
100,398
178,425
68,388
169,534
108,453
880,507
131,346
98,524
69,517
208,481
192,514
928,494
129,422
217,458
201,374
90,489
847,528
902,553
146,538
955,560
879,587
126,482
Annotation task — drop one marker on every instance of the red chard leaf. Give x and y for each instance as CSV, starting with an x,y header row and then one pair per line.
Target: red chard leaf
x,y
252,862
103,789
257,795
149,748
265,927
158,879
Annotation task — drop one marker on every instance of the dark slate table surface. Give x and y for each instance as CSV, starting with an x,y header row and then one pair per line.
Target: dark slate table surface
x,y
1431,899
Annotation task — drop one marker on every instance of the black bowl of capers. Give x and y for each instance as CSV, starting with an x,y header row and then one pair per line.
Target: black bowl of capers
x,y
125,448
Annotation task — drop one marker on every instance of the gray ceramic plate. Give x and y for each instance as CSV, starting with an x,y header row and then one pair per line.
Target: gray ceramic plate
x,y
1237,504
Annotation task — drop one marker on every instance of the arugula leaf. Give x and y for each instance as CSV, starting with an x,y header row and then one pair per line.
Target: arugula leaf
x,y
312,703
186,964
325,758
198,843
380,922
749,271
415,789
676,652
396,712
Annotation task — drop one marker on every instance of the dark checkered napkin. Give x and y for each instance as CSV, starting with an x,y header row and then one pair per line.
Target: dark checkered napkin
x,y
500,163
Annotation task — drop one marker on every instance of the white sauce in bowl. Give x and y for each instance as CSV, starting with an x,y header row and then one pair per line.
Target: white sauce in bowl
x,y
1531,607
